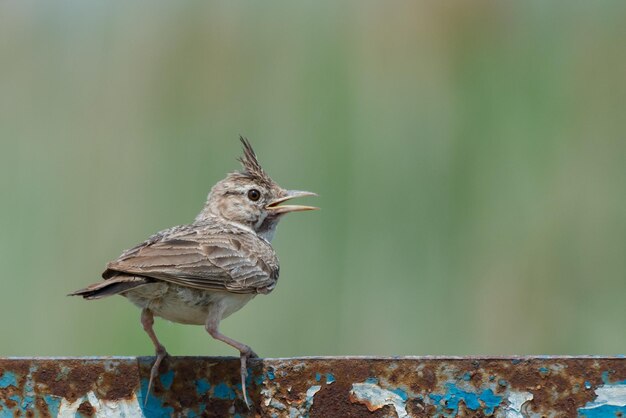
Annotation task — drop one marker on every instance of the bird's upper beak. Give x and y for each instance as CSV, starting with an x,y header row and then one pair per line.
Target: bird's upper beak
x,y
275,208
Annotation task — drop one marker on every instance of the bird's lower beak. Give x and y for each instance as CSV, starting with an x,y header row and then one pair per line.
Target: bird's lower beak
x,y
275,208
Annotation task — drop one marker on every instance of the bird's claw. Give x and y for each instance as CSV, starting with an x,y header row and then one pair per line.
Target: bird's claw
x,y
245,355
154,372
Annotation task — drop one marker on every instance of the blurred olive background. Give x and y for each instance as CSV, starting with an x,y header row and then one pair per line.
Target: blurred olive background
x,y
469,156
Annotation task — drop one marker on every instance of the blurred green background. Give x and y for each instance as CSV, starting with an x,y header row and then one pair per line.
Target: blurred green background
x,y
470,159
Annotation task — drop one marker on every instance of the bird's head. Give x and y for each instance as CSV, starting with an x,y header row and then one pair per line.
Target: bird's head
x,y
251,198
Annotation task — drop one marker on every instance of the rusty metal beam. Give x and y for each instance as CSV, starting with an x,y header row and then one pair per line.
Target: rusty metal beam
x,y
317,387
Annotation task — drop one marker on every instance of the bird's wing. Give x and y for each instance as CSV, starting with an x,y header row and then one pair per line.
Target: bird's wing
x,y
209,258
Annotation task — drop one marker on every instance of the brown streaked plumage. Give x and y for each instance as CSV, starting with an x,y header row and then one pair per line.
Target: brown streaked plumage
x,y
202,272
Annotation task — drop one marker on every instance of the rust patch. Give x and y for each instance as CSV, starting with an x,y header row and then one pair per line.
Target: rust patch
x,y
334,401
42,407
218,408
278,387
419,409
119,384
561,390
182,392
72,381
86,409
20,371
10,403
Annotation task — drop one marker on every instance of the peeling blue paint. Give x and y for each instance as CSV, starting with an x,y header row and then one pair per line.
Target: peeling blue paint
x,y
5,409
490,400
603,411
450,400
53,403
259,379
610,400
223,391
8,379
167,379
202,386
153,405
401,393
485,393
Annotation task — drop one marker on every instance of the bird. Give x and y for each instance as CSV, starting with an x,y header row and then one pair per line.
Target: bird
x,y
202,272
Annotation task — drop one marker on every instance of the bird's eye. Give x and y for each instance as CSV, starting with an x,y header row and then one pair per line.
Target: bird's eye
x,y
254,195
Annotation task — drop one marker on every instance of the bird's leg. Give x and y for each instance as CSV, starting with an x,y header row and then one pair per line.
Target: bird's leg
x,y
147,320
212,327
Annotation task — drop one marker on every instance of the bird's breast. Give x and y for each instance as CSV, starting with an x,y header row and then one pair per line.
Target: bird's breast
x,y
183,304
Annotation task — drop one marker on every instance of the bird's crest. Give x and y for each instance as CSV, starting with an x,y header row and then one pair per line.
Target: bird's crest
x,y
250,163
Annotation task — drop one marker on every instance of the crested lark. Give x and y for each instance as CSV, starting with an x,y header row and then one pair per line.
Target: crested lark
x,y
202,272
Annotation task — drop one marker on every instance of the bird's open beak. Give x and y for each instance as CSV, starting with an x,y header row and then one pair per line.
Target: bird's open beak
x,y
275,208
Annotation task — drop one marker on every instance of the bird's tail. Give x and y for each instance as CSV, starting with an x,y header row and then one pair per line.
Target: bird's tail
x,y
112,286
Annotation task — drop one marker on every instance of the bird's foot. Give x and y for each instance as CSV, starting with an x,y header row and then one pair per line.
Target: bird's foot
x,y
245,355
161,353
